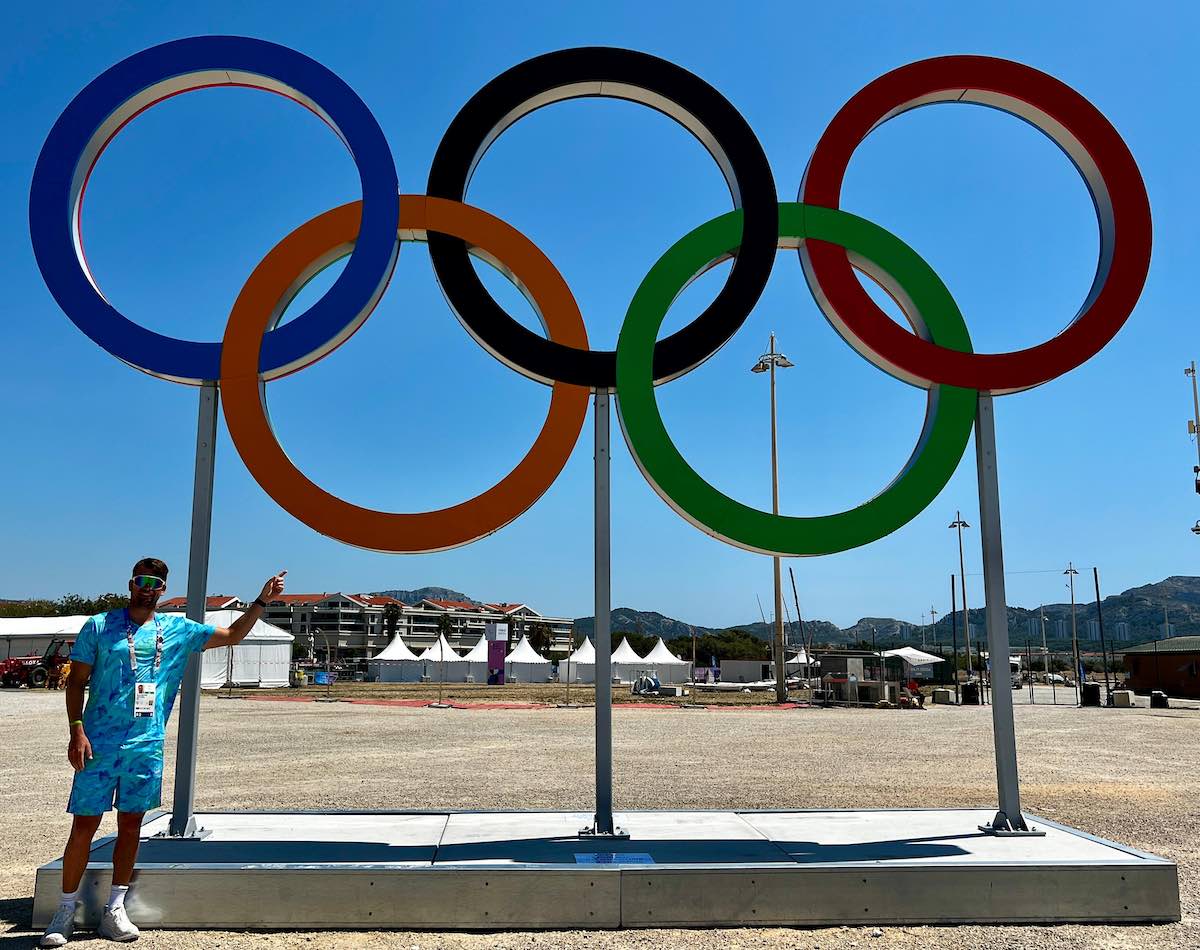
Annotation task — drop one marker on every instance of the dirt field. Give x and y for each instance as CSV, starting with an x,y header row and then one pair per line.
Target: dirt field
x,y
1133,776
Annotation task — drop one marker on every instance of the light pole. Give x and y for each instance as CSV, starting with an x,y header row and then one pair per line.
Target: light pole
x,y
958,524
932,623
1046,658
767,363
327,654
1071,572
1194,423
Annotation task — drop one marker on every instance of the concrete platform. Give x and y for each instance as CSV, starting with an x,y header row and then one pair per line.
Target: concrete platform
x,y
525,870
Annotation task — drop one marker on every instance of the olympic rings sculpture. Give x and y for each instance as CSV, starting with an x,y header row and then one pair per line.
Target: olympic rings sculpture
x,y
831,243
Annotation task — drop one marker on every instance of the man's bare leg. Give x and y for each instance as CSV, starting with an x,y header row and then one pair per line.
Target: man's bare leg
x,y
79,846
129,833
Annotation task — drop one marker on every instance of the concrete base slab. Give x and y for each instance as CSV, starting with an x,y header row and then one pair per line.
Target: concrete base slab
x,y
526,870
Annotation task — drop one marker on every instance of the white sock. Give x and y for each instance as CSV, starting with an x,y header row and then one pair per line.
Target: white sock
x,y
116,897
69,900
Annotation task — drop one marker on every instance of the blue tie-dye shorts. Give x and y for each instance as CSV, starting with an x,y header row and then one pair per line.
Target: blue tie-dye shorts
x,y
133,776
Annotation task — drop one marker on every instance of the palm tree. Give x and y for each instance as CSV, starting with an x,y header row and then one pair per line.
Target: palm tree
x,y
540,637
391,617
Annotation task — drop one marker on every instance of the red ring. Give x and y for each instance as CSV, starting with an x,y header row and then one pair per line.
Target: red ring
x,y
1076,126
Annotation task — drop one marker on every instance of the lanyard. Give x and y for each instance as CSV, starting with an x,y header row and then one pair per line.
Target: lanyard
x,y
130,630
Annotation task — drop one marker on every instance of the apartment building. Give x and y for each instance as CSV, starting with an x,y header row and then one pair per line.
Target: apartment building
x,y
356,626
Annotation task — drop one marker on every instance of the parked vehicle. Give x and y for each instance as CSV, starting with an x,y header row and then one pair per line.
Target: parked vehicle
x,y
35,670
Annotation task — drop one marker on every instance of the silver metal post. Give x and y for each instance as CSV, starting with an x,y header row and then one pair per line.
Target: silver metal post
x,y
1009,819
602,822
1078,676
183,821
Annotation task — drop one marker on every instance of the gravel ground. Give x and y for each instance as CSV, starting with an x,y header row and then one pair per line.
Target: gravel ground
x,y
1130,775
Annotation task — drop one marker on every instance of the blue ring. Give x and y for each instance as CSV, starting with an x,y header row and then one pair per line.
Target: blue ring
x,y
115,96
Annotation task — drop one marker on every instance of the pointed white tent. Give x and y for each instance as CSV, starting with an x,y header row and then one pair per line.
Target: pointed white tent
x,y
525,665
477,660
669,667
442,664
395,663
582,665
626,662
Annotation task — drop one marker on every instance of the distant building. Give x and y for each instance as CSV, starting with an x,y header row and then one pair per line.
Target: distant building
x,y
355,626
1093,631
212,602
1170,665
1121,632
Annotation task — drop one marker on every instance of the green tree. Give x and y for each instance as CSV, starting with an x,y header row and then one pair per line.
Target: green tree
x,y
69,605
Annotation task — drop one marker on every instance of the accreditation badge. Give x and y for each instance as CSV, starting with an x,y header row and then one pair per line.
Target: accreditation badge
x,y
143,699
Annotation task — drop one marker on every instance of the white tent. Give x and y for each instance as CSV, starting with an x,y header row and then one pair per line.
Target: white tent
x,y
916,662
262,659
581,667
525,665
442,664
476,659
667,665
626,662
21,636
395,663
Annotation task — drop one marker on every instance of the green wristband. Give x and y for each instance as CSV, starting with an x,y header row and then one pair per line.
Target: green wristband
x,y
76,722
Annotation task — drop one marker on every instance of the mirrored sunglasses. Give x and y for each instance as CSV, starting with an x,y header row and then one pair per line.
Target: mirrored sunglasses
x,y
148,582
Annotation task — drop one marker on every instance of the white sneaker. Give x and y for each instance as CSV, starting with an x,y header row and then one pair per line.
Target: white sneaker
x,y
115,925
61,926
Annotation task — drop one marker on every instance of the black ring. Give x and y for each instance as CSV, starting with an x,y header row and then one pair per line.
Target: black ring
x,y
619,74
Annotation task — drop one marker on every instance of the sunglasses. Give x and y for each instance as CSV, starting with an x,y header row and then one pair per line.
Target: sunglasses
x,y
148,582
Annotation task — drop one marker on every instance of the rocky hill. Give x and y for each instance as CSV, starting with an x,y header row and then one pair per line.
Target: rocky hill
x,y
1134,616
423,593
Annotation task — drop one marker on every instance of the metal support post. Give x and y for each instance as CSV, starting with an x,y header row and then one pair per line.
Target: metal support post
x,y
954,634
1008,820
183,820
602,822
1108,690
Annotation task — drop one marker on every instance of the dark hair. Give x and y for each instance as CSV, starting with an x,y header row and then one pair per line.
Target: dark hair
x,y
150,565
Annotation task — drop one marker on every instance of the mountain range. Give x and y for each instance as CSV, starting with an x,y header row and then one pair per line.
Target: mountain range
x,y
1133,616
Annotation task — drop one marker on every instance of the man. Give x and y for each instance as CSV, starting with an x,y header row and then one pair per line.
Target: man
x,y
132,661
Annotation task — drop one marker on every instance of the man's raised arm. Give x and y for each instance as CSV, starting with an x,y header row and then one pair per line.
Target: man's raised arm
x,y
237,631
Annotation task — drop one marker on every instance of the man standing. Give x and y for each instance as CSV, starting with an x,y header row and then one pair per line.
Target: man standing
x,y
132,661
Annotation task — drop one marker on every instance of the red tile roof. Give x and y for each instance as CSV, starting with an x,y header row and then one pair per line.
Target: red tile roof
x,y
506,608
451,604
383,601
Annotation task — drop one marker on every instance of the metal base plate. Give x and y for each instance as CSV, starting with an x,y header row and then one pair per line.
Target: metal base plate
x,y
523,870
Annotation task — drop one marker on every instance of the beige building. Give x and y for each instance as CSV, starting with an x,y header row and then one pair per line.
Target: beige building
x,y
357,626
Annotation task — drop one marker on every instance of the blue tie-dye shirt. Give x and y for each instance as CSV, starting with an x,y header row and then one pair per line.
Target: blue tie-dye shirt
x,y
108,718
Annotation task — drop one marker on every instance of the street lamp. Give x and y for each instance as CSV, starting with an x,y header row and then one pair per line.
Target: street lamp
x,y
1194,424
958,524
767,363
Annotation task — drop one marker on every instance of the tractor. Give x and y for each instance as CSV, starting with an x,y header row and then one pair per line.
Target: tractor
x,y
35,670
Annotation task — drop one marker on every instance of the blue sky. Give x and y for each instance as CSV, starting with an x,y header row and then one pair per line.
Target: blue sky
x,y
412,414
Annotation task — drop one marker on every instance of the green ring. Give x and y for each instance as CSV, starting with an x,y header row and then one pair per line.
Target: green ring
x,y
927,304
